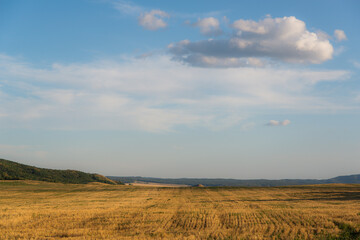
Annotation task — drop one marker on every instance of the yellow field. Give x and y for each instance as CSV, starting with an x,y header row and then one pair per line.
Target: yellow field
x,y
33,210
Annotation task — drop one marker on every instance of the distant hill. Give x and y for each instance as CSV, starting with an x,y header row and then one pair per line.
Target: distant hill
x,y
10,170
345,179
218,182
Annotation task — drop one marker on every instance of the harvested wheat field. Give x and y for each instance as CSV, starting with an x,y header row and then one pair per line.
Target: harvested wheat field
x,y
39,210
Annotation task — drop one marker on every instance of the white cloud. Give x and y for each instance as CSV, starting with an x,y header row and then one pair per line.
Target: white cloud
x,y
278,123
151,94
285,39
340,35
153,20
209,26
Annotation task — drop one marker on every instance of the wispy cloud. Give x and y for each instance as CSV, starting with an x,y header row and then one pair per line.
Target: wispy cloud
x,y
127,8
151,94
196,15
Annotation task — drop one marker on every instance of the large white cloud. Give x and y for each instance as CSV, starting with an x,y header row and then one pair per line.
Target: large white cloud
x,y
152,94
153,20
285,39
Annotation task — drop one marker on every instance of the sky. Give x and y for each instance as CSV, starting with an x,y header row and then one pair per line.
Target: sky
x,y
215,89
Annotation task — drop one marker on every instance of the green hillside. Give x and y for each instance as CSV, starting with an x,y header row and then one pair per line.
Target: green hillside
x,y
10,170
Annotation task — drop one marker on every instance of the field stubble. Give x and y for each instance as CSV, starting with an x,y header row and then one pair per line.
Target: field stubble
x,y
38,210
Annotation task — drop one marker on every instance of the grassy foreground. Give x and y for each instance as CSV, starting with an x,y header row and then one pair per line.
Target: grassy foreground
x,y
39,210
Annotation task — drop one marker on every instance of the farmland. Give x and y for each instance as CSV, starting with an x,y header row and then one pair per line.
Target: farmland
x,y
40,210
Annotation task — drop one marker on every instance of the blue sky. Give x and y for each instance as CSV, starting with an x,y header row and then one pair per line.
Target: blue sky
x,y
237,89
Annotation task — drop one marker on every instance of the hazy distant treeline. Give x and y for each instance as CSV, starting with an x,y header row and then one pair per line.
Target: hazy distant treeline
x,y
236,182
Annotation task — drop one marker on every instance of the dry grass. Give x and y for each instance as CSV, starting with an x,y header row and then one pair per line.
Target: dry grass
x,y
33,210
